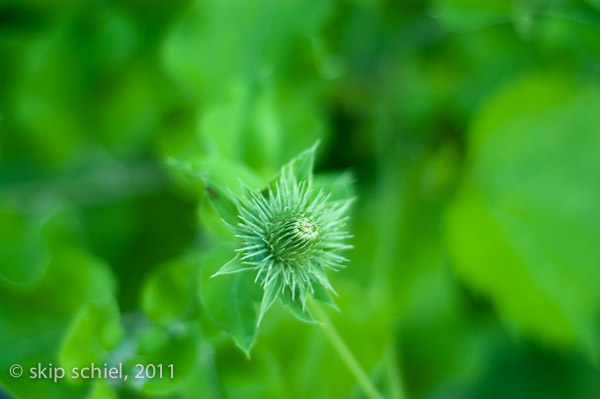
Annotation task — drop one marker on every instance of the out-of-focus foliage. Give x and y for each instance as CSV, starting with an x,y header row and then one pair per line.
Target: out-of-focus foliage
x,y
535,209
466,129
257,83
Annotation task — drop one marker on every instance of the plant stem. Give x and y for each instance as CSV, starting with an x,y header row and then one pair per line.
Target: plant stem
x,y
342,349
394,374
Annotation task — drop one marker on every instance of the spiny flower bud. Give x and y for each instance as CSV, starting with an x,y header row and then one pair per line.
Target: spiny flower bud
x,y
291,235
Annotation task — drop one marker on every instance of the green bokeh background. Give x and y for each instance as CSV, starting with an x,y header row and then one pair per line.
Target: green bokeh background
x,y
469,127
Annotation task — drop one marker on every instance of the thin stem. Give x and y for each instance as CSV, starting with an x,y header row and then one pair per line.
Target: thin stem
x,y
342,349
395,374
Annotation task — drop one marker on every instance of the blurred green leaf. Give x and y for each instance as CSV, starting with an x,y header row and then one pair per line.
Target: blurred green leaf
x,y
33,324
523,227
177,344
296,307
28,237
233,266
302,166
95,331
24,252
473,14
168,294
269,296
232,300
101,389
322,294
225,172
341,186
260,99
223,201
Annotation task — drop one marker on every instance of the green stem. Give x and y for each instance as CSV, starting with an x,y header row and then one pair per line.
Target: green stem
x,y
342,349
395,374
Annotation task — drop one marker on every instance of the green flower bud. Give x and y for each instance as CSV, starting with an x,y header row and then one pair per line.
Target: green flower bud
x,y
291,234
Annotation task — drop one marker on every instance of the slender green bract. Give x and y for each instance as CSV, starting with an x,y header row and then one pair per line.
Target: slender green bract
x,y
291,234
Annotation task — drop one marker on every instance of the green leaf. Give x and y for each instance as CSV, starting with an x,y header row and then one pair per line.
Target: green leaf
x,y
464,15
271,292
27,239
194,171
302,166
177,344
102,389
341,186
260,103
167,295
24,254
471,15
595,3
296,307
41,314
231,300
322,294
523,228
219,182
235,265
95,331
223,201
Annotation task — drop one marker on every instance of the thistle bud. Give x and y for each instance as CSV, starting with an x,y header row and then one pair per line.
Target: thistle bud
x,y
291,234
